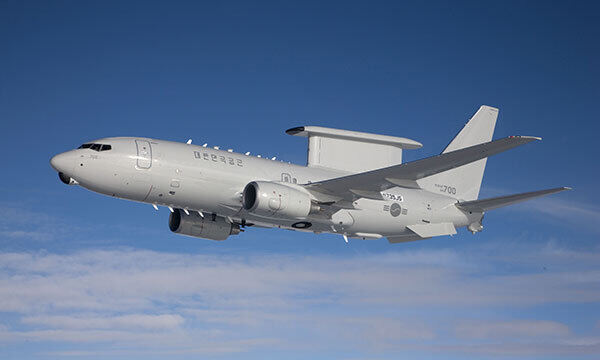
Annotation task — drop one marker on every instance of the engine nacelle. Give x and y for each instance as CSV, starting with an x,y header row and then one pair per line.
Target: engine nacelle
x,y
208,227
270,199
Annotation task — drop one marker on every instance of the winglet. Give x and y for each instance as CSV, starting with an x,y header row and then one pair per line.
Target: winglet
x,y
527,137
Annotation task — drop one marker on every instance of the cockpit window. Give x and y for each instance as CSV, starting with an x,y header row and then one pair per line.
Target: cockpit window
x,y
95,147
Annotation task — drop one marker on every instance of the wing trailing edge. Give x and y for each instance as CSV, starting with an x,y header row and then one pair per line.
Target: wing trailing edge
x,y
497,202
422,232
347,187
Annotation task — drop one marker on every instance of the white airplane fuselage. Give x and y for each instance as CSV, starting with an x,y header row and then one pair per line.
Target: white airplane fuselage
x,y
210,182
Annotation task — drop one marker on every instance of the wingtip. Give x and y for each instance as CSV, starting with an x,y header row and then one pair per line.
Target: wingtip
x,y
526,137
567,188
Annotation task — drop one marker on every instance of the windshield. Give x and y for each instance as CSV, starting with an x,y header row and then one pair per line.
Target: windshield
x,y
95,147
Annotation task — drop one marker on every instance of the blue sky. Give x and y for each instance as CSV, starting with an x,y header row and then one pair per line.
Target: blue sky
x,y
86,276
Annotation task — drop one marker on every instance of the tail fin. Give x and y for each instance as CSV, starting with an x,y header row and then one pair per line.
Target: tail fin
x,y
464,182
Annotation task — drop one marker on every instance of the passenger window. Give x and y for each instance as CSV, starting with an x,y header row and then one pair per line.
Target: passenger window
x,y
95,147
105,147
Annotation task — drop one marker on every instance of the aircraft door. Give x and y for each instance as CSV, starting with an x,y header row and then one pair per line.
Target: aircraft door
x,y
144,154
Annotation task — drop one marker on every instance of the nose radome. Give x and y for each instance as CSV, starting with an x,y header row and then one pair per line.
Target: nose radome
x,y
62,163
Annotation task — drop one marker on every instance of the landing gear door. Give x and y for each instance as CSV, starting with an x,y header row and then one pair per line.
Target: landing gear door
x,y
144,154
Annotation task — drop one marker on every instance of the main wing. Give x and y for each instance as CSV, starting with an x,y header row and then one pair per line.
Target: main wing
x,y
369,184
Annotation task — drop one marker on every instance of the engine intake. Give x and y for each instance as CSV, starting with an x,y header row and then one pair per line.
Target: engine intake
x,y
201,227
275,200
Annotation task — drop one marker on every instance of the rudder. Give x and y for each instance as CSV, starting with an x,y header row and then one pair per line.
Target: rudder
x,y
464,182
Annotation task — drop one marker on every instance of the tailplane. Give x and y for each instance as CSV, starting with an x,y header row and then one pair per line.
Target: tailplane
x,y
497,202
464,182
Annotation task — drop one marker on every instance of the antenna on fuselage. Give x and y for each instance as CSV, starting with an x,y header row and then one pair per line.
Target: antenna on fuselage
x,y
204,144
189,141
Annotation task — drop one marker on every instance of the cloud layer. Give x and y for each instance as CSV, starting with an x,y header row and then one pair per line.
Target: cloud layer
x,y
142,301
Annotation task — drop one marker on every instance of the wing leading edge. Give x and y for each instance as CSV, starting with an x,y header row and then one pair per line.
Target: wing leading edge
x,y
369,184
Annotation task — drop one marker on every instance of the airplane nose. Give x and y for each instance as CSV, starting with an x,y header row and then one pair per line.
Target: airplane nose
x,y
63,163
60,162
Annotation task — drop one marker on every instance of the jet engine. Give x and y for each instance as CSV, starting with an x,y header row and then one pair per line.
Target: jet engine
x,y
208,227
270,199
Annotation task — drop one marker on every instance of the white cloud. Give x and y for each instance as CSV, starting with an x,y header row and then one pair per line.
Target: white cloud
x,y
182,303
567,210
516,329
135,280
132,321
21,234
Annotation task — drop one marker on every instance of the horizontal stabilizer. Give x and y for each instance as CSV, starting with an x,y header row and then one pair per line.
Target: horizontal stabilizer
x,y
494,203
385,178
431,230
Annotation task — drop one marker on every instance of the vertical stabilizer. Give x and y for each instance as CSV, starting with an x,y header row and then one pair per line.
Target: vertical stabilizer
x,y
464,182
